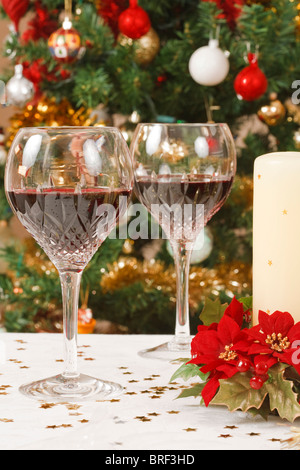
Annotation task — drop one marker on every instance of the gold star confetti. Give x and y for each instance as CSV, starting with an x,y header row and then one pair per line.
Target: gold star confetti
x,y
5,420
270,262
225,436
190,429
259,177
173,412
114,400
153,414
89,359
230,427
84,421
252,434
284,212
46,406
130,393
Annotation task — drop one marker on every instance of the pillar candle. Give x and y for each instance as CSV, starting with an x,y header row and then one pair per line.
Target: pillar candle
x,y
276,234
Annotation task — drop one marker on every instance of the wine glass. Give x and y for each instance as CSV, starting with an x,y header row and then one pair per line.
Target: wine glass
x,y
183,174
68,186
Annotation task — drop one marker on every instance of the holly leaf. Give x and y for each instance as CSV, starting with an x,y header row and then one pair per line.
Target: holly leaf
x,y
236,394
281,395
187,371
212,311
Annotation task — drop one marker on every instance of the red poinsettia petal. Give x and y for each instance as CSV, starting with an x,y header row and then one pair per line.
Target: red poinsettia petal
x,y
235,310
294,334
210,390
229,370
211,366
228,330
283,322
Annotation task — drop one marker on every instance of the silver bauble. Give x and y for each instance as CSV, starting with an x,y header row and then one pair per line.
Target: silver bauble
x,y
19,90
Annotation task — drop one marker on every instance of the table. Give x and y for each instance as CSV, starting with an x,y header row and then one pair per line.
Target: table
x,y
147,415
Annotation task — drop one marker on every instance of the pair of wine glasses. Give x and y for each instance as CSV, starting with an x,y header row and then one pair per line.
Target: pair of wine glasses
x,y
69,186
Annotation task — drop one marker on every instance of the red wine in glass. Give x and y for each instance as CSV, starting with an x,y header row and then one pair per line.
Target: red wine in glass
x,y
167,197
69,226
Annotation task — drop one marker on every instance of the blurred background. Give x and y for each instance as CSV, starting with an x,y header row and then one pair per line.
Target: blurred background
x,y
120,62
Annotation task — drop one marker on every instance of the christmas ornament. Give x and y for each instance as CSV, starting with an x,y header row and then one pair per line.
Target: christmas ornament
x,y
273,113
15,9
19,90
208,65
251,83
146,48
134,22
65,43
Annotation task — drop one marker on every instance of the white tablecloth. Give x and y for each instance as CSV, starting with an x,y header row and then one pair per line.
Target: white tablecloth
x,y
146,417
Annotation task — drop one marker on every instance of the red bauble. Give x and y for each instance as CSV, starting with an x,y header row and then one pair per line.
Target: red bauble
x,y
15,9
251,83
134,22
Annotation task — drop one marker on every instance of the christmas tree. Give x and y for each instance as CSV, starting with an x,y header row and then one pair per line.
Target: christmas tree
x,y
122,62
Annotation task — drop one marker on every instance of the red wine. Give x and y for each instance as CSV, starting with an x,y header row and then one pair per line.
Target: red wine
x,y
169,192
69,226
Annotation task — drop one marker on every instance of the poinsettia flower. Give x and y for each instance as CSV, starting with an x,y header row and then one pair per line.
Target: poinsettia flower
x,y
213,348
276,336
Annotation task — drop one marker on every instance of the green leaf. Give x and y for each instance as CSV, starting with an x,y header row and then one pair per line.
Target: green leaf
x,y
212,311
246,301
281,395
187,371
194,391
236,394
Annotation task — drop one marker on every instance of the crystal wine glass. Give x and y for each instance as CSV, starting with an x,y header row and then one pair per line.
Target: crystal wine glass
x,y
183,175
68,186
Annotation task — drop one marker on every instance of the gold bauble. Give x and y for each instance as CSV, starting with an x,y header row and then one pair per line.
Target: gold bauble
x,y
146,48
273,113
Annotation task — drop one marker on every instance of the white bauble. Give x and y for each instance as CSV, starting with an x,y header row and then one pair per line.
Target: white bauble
x,y
201,147
209,65
19,90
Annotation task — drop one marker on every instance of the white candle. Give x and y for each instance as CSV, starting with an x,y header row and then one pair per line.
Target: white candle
x,y
276,234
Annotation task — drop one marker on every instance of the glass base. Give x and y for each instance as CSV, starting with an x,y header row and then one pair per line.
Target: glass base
x,y
177,348
62,389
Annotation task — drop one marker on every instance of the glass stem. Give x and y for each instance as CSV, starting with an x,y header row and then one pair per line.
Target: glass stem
x,y
70,283
182,258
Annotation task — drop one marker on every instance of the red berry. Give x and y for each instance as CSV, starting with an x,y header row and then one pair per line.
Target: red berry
x,y
261,368
243,365
256,383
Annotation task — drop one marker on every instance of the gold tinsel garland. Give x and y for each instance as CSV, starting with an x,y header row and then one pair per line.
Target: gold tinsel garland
x,y
233,278
49,113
